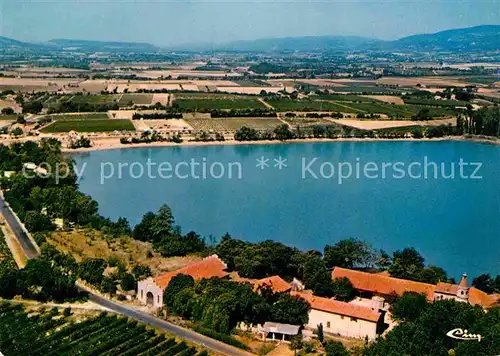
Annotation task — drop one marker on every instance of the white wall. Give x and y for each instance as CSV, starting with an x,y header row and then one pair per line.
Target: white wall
x,y
342,325
148,285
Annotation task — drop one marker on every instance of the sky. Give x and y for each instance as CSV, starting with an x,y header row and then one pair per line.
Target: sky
x,y
174,22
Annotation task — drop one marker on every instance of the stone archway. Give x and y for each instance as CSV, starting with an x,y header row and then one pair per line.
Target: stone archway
x,y
150,299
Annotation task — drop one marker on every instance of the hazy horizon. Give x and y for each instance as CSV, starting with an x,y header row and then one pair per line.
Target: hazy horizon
x,y
172,22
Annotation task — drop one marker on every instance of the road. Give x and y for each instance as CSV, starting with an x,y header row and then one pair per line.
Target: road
x,y
173,329
25,242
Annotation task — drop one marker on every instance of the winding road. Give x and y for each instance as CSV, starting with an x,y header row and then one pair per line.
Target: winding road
x,y
31,251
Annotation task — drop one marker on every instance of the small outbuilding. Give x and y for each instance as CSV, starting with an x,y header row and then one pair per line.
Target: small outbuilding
x,y
278,331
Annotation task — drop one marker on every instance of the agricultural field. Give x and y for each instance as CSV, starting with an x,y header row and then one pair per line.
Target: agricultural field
x,y
100,99
306,121
8,117
233,124
234,102
433,102
308,105
40,331
88,126
368,89
138,99
342,97
78,116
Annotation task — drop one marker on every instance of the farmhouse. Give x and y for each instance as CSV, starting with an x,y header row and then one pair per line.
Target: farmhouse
x,y
371,284
150,290
344,319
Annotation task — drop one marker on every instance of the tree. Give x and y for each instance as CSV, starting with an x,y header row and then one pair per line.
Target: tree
x,y
7,111
176,284
290,309
485,283
349,253
36,222
335,348
316,277
91,270
321,335
343,289
409,306
407,264
296,343
422,115
283,133
108,285
141,271
128,282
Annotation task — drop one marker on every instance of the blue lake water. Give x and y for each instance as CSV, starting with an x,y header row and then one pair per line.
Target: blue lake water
x,y
453,222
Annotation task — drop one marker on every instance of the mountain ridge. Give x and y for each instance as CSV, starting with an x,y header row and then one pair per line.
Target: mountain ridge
x,y
476,38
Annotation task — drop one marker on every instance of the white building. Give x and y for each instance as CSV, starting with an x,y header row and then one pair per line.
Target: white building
x,y
343,319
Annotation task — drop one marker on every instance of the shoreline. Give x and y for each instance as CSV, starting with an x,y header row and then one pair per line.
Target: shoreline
x,y
118,146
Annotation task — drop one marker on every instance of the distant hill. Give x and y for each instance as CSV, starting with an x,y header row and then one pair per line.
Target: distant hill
x,y
103,46
81,45
478,38
309,43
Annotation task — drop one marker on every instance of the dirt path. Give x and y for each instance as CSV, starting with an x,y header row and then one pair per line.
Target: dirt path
x,y
269,106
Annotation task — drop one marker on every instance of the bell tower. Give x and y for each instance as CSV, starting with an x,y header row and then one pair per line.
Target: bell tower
x,y
463,289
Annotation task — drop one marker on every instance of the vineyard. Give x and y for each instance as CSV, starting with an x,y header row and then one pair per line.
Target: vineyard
x,y
89,126
220,125
49,332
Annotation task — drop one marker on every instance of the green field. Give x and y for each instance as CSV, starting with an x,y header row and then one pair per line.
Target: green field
x,y
433,102
96,99
218,103
308,105
368,89
83,116
233,124
89,126
342,97
8,117
138,99
49,332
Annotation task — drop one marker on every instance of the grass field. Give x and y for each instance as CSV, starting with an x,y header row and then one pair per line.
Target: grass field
x,y
433,102
96,99
83,116
41,331
89,126
138,99
8,117
219,103
343,97
367,89
233,124
308,105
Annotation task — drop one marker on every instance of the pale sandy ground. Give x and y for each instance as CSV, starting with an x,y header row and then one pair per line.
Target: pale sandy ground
x,y
472,65
248,90
160,98
492,93
386,99
162,125
10,104
380,124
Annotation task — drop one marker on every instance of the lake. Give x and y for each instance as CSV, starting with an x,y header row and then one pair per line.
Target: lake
x,y
442,197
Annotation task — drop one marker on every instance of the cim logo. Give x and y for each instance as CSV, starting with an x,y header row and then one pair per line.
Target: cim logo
x,y
461,334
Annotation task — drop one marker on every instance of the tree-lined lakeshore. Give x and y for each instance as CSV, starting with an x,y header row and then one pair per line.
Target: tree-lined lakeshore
x,y
216,306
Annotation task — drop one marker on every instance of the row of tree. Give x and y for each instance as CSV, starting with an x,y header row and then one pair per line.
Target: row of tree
x,y
220,304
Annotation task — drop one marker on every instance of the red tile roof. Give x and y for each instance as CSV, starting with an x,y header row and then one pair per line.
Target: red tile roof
x,y
446,288
209,267
478,297
338,307
276,283
380,284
